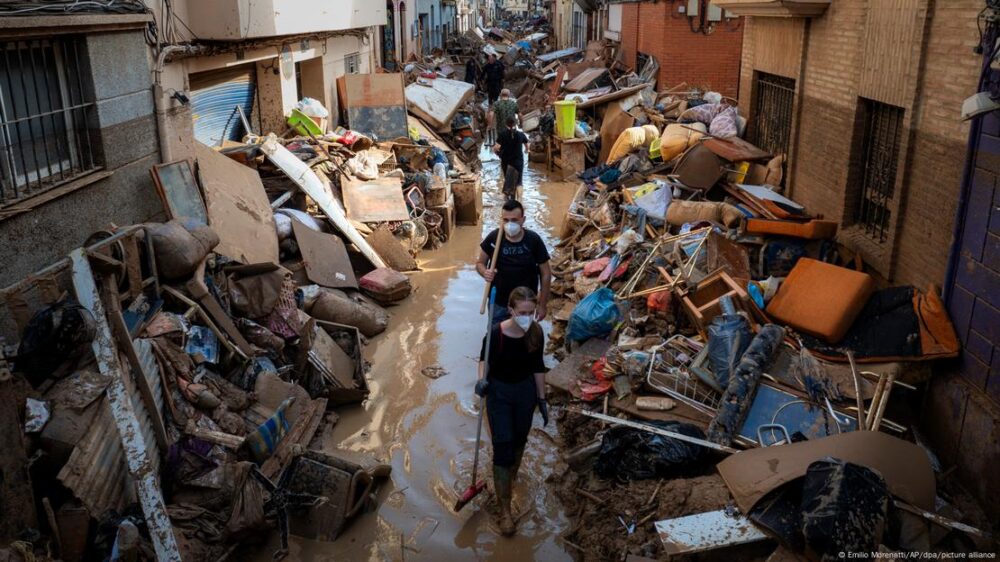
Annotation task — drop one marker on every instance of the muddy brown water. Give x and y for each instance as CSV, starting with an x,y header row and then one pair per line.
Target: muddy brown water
x,y
425,428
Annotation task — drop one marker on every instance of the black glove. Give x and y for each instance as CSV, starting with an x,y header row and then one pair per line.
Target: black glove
x,y
482,387
543,407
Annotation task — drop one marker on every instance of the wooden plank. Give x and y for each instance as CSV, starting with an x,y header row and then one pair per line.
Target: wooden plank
x,y
320,192
777,45
376,104
126,422
238,208
325,258
378,200
894,32
17,510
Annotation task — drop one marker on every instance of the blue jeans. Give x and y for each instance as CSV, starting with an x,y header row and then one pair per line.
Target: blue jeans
x,y
500,313
510,409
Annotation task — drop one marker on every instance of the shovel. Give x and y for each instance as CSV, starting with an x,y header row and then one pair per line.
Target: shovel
x,y
478,486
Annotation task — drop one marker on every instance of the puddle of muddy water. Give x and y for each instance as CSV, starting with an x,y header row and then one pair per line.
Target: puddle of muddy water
x,y
426,427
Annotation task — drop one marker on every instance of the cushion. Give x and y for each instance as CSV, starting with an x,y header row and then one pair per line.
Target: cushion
x,y
821,299
815,229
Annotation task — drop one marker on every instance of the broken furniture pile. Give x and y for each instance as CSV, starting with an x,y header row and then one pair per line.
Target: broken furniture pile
x,y
168,384
692,298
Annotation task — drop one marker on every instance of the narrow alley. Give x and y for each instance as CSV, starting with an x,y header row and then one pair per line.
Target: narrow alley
x,y
426,427
745,257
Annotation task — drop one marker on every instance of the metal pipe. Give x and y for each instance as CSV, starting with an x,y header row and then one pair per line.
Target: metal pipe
x,y
159,93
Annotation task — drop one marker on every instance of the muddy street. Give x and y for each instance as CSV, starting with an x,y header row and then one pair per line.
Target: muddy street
x,y
425,427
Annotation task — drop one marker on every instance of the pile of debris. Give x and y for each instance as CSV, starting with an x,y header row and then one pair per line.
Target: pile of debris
x,y
732,334
167,385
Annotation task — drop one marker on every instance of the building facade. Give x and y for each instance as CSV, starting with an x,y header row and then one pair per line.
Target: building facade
x,y
865,97
398,37
694,42
260,59
79,134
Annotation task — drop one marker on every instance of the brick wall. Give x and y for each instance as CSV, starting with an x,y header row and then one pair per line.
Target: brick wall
x,y
711,62
961,413
829,81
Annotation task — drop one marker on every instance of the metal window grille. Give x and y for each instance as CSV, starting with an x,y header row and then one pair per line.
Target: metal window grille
x,y
579,38
352,63
44,111
882,132
771,126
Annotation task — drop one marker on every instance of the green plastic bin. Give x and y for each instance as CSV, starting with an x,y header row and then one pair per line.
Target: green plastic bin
x,y
565,119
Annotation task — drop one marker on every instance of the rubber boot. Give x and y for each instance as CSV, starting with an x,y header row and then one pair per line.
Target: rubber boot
x,y
501,482
516,467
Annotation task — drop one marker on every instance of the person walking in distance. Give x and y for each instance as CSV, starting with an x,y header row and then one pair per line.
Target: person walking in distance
x,y
493,76
511,145
523,260
513,388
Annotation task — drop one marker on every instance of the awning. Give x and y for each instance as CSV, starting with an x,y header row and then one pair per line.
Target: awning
x,y
587,5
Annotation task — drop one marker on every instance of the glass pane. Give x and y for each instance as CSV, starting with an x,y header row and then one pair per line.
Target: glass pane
x,y
34,127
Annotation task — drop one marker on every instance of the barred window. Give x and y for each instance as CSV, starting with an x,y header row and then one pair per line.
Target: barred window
x,y
44,110
770,125
352,63
875,161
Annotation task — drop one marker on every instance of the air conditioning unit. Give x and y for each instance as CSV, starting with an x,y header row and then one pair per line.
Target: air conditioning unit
x,y
714,13
692,8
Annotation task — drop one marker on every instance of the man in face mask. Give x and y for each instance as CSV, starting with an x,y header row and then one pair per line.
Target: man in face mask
x,y
523,261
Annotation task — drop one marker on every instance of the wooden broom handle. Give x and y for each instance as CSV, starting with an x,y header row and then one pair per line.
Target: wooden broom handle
x,y
493,267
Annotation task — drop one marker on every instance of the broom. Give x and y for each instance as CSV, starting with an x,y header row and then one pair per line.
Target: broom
x,y
478,486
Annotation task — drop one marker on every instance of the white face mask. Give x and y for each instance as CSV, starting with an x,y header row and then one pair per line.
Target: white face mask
x,y
512,228
524,322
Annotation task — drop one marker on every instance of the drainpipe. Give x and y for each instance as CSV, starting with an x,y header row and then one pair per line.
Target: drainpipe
x,y
158,94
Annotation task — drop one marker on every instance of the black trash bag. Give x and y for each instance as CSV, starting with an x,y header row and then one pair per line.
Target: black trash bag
x,y
729,337
53,336
633,454
844,509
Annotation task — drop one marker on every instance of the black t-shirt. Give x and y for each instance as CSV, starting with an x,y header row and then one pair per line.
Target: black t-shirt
x,y
518,263
494,72
511,143
510,360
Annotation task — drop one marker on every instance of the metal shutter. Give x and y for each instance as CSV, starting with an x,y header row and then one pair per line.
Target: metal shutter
x,y
214,98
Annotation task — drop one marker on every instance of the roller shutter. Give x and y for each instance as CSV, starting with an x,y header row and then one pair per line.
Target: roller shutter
x,y
214,98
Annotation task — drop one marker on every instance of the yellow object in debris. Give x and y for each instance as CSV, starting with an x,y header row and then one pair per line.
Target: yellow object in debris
x,y
565,119
303,124
677,138
630,139
654,149
739,173
644,189
414,133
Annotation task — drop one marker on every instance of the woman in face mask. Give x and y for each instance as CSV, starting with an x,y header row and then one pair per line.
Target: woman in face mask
x,y
514,388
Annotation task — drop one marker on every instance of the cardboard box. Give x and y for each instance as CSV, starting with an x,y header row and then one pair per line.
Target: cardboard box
x,y
447,212
468,194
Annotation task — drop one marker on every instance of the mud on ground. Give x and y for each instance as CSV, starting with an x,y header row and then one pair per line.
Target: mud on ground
x,y
597,534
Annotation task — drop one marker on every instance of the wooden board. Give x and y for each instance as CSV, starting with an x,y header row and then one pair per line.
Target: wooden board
x,y
321,192
375,104
237,207
377,200
391,250
325,258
